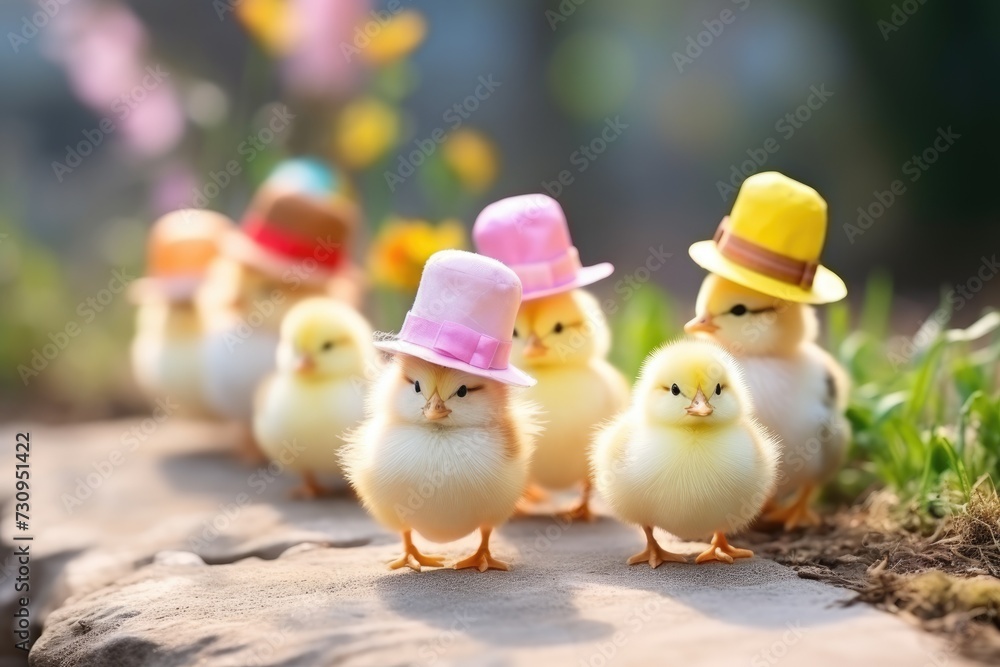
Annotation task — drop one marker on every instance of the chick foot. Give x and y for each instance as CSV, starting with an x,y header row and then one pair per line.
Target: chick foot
x,y
310,488
654,554
797,515
582,511
412,558
722,551
533,494
482,560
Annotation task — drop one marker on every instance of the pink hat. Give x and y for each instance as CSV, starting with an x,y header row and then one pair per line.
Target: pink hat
x,y
529,234
463,317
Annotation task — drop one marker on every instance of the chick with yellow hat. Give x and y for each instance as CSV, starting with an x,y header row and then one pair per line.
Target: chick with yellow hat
x,y
764,275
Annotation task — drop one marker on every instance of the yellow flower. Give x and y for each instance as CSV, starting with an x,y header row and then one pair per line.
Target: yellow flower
x,y
403,246
398,37
473,158
364,131
269,21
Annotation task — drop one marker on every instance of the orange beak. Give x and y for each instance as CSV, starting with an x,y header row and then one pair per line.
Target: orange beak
x,y
436,409
534,347
305,364
703,324
700,407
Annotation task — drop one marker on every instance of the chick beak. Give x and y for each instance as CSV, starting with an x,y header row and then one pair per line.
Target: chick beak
x,y
436,409
700,407
305,364
534,347
703,323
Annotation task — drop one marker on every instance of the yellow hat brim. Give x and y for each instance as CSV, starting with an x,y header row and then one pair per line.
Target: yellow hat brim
x,y
827,286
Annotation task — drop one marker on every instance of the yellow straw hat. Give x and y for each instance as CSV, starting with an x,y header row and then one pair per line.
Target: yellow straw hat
x,y
772,240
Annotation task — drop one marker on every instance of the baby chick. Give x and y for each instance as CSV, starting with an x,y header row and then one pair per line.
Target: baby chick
x,y
562,341
166,354
800,391
323,359
442,452
687,456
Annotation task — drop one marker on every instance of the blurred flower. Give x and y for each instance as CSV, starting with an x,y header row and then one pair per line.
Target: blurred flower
x,y
398,37
473,157
317,64
403,246
269,21
365,129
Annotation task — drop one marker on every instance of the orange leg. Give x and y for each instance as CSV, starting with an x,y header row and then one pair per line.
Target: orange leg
x,y
412,558
310,488
653,553
526,503
798,514
582,511
722,551
482,560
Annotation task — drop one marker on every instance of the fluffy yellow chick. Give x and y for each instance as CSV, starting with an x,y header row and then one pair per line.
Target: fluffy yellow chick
x,y
800,391
562,341
687,456
442,452
324,358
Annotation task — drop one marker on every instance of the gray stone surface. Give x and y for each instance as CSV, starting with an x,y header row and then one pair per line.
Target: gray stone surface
x,y
184,556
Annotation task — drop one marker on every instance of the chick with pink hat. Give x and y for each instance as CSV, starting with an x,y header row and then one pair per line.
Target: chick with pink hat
x,y
561,336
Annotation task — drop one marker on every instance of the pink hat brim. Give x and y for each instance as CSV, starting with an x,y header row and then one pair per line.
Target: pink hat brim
x,y
587,275
509,375
239,246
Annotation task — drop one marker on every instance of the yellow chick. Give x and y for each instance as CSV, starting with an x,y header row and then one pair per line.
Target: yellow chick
x,y
800,391
562,341
443,452
324,358
687,456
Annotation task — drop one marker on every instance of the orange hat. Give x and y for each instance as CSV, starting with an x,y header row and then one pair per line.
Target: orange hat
x,y
180,248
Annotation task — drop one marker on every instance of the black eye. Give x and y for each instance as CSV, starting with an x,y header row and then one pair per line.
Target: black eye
x,y
558,327
738,309
327,346
718,389
515,333
674,389
416,385
462,391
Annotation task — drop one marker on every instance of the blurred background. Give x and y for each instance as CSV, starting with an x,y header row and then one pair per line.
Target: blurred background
x,y
640,117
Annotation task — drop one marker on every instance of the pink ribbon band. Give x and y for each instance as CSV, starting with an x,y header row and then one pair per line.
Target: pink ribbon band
x,y
456,341
762,260
551,273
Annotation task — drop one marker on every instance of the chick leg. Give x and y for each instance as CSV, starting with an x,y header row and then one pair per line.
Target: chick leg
x,y
310,487
722,551
582,511
654,554
412,558
797,515
532,494
482,560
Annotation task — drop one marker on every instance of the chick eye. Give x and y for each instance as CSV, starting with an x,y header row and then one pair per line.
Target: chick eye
x,y
462,391
416,386
738,309
327,346
515,333
674,389
558,328
718,389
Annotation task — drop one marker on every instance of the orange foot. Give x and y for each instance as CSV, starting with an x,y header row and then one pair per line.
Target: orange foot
x,y
310,488
482,560
722,551
654,554
412,558
797,515
582,511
